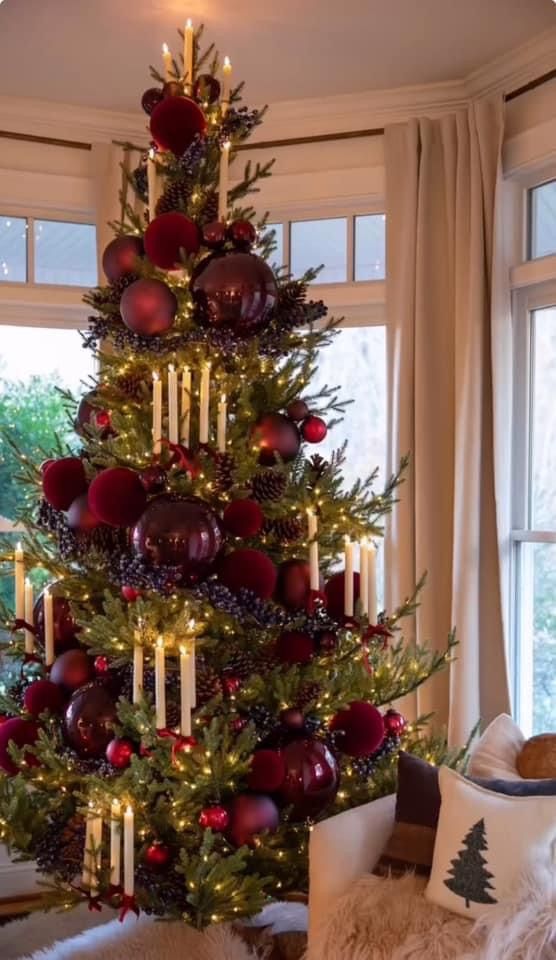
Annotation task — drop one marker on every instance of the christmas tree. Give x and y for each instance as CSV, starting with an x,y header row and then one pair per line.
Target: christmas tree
x,y
470,878
200,681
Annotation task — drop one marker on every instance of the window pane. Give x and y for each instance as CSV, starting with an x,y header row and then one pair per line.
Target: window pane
x,y
65,253
13,250
370,247
537,660
316,242
33,362
542,202
277,255
543,419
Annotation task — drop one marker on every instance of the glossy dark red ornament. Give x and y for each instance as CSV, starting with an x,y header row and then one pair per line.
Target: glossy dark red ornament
x,y
206,88
243,518
65,627
92,414
311,777
231,685
183,745
313,429
395,723
63,481
361,729
248,570
238,724
102,665
234,290
148,307
334,591
214,234
242,233
175,122
43,695
117,497
23,733
90,720
214,818
276,434
294,584
172,88
297,410
150,99
80,517
72,669
267,772
157,855
250,815
169,237
120,257
154,479
179,531
295,647
292,718
119,752
130,594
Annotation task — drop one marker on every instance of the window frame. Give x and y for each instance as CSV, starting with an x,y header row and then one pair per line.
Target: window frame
x,y
31,215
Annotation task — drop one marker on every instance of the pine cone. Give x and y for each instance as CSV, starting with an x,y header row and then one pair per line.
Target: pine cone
x,y
130,384
210,209
140,183
287,528
223,471
268,485
319,466
60,849
209,684
175,197
241,665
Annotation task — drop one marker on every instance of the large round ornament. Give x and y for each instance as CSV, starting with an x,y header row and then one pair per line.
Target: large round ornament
x,y
120,257
80,517
90,719
63,481
295,647
235,290
179,531
65,627
72,669
24,733
175,122
334,591
243,518
251,814
360,727
148,307
167,236
276,434
311,777
267,771
43,695
247,569
293,586
117,496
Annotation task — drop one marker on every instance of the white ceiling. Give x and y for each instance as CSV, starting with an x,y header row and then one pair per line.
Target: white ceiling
x,y
97,52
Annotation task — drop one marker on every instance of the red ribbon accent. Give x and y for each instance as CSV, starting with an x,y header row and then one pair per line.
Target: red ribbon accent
x,y
182,457
20,624
315,600
164,732
94,904
129,905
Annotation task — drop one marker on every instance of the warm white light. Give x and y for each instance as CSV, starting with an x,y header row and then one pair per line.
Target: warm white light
x,y
165,48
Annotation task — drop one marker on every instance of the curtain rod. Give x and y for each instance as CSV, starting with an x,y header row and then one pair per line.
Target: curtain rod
x,y
274,144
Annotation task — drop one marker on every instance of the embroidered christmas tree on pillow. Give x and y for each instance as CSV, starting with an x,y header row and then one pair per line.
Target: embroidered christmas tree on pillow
x,y
470,879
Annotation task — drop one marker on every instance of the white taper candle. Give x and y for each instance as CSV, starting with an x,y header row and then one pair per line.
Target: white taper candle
x,y
129,852
138,661
185,691
204,404
160,683
115,843
157,413
223,181
185,406
193,667
313,549
29,636
188,57
86,872
19,575
226,85
96,854
173,418
348,579
152,183
364,576
221,424
48,614
371,588
167,61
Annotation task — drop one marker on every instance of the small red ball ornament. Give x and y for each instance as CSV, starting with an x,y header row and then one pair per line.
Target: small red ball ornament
x,y
267,771
72,669
148,307
251,814
183,745
120,257
130,594
214,818
235,290
206,88
157,855
90,414
311,777
168,237
249,570
292,718
63,482
23,733
395,724
175,122
294,584
276,434
334,591
313,429
43,695
243,518
119,752
295,647
150,99
214,234
362,729
117,496
242,233
231,685
80,517
102,665
65,627
297,410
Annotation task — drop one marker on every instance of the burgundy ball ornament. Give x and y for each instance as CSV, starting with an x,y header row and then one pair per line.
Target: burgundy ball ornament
x,y
297,410
274,434
90,719
267,772
43,695
175,122
214,234
65,627
327,641
395,723
214,818
102,665
148,307
234,290
119,752
334,591
23,733
242,233
361,729
292,719
154,479
172,88
130,594
117,497
313,429
179,531
80,517
248,570
169,237
72,669
206,89
120,257
63,481
311,777
90,414
231,685
295,647
183,745
294,584
151,98
243,518
250,815
45,465
157,855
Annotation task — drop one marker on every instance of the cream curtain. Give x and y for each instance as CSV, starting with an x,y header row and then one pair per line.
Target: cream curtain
x,y
442,179
110,188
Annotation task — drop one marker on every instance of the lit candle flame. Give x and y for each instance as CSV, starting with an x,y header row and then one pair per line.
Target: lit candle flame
x,y
165,48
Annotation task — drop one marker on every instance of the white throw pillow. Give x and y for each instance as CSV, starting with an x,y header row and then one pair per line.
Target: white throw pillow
x,y
484,841
495,753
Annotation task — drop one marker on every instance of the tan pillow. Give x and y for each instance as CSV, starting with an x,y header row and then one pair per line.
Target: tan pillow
x,y
495,754
537,758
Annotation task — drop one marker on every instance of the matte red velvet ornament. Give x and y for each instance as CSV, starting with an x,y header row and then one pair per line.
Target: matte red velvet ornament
x,y
120,257
362,729
148,307
214,818
311,777
150,99
90,414
43,695
334,591
313,429
235,290
251,814
154,479
117,496
65,627
119,752
179,531
276,434
243,518
249,570
206,88
80,517
24,733
63,481
293,646
157,855
168,237
214,234
292,718
175,122
327,641
395,723
102,665
242,233
72,669
90,719
297,410
130,594
45,465
267,772
294,584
